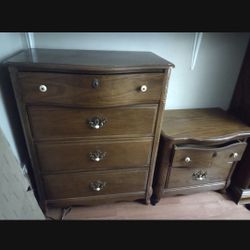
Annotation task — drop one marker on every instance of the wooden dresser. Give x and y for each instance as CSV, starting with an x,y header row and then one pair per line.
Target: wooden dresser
x,y
92,122
199,150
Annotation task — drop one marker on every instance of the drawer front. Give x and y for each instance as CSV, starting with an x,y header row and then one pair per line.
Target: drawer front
x,y
56,122
207,156
184,177
94,183
90,90
94,155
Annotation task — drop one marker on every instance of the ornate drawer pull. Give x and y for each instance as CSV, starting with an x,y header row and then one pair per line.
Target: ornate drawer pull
x,y
43,88
97,122
200,175
97,155
143,88
95,83
187,159
97,185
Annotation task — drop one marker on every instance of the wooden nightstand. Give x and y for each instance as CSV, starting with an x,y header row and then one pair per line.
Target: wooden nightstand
x,y
199,150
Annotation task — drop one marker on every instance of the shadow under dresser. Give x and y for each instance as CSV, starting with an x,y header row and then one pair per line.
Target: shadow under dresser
x,y
199,150
92,122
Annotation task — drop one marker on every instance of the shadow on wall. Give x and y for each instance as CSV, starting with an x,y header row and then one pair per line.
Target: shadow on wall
x,y
13,117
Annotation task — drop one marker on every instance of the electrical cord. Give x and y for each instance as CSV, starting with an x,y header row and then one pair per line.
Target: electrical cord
x,y
64,212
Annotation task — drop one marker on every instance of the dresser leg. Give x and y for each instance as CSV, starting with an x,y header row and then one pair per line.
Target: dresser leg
x,y
149,195
154,200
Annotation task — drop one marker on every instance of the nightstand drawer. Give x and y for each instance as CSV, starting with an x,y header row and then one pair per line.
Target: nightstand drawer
x,y
196,156
94,183
90,90
56,122
94,155
197,176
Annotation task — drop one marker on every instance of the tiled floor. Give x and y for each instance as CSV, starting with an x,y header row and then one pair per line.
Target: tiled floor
x,y
201,206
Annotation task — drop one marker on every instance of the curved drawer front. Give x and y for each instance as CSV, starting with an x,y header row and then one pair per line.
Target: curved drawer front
x,y
196,156
184,177
94,155
90,90
94,183
55,122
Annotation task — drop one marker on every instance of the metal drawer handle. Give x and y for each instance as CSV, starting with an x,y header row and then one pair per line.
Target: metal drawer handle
x,y
97,155
199,175
187,159
97,185
43,88
143,88
95,83
97,122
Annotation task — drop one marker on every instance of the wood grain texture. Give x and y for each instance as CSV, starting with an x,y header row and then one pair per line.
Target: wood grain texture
x,y
207,156
200,206
63,123
66,156
77,90
87,60
183,177
61,116
73,185
157,134
202,125
209,137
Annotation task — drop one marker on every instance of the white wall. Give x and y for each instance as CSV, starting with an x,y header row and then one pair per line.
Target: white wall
x,y
9,44
210,84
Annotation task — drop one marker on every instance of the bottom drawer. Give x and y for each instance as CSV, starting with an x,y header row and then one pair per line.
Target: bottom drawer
x,y
182,177
84,184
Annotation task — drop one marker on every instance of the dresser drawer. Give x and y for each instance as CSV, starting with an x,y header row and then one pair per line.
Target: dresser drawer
x,y
94,155
196,156
94,183
185,177
56,122
206,165
90,90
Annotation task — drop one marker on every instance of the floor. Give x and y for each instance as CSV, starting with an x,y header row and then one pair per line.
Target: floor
x,y
201,206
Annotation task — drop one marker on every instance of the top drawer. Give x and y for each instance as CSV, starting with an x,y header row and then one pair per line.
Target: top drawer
x,y
198,156
90,90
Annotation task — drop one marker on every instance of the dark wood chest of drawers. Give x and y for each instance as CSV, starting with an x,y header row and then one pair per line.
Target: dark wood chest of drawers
x,y
92,122
199,150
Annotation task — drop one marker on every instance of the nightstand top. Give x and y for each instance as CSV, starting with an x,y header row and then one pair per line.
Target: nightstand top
x,y
89,60
202,125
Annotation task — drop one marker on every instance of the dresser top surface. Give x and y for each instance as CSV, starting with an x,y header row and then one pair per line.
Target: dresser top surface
x,y
89,59
201,124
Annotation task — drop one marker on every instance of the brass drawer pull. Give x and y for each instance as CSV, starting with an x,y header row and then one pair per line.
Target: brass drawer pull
x,y
200,175
97,155
95,83
97,185
97,122
187,159
43,88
